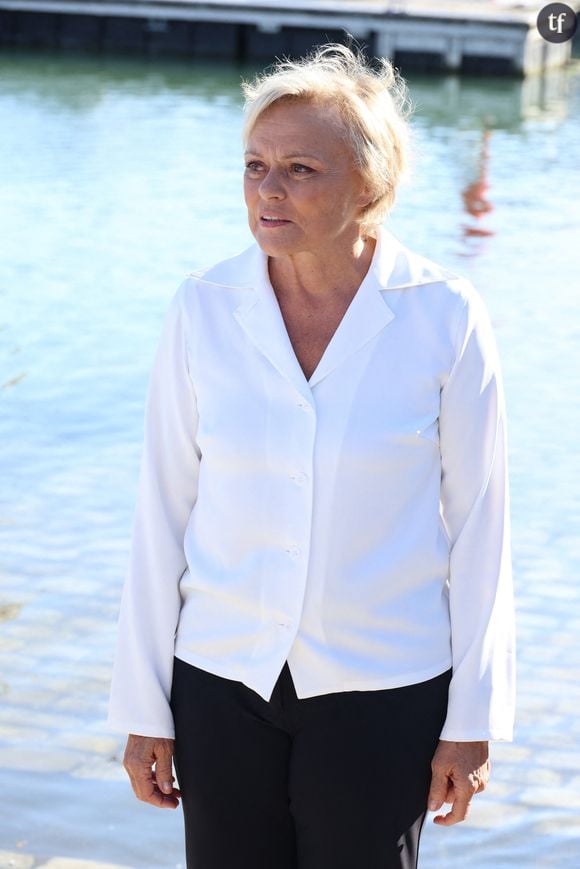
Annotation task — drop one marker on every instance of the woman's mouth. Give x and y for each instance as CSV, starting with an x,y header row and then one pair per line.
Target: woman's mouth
x,y
272,220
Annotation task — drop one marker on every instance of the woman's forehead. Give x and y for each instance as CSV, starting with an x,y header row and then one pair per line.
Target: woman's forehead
x,y
298,127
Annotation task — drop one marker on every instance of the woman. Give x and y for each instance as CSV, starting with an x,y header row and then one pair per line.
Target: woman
x,y
318,608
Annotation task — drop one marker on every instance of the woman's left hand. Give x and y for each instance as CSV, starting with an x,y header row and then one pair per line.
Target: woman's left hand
x,y
460,770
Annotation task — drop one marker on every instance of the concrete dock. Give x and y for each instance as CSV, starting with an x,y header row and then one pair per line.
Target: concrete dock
x,y
481,36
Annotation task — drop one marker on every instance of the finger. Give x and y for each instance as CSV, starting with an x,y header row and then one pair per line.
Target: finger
x,y
174,789
450,796
145,786
437,791
164,801
163,773
147,791
141,781
459,810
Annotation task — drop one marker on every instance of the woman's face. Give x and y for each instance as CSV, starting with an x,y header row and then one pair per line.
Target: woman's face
x,y
301,188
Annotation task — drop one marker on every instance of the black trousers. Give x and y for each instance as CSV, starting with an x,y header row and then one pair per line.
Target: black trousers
x,y
337,781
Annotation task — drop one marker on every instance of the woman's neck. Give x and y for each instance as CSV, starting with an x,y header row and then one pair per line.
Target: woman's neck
x,y
318,276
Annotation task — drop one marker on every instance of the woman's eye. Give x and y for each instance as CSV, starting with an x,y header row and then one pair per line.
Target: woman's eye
x,y
253,166
300,169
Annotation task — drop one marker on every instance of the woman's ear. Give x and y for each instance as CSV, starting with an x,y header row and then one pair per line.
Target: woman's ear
x,y
366,197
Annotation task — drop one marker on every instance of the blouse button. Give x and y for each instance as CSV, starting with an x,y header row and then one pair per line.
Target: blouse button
x,y
293,551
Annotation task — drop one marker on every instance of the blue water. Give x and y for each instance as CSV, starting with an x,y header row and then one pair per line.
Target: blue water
x,y
117,178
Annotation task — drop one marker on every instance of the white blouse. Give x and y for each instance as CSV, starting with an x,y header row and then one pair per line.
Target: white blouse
x,y
355,524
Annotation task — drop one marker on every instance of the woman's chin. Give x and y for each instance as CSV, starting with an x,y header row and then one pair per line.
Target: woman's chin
x,y
274,244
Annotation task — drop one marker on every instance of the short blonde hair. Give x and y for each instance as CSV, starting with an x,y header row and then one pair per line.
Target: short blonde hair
x,y
373,104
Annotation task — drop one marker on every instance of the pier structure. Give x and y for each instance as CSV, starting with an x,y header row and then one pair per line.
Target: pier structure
x,y
481,36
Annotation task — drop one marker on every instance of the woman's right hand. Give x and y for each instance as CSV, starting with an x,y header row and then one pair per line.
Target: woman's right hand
x,y
148,762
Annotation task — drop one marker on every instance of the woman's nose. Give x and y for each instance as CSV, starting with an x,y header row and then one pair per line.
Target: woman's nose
x,y
271,186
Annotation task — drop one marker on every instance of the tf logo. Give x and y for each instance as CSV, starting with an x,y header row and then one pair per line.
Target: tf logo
x,y
557,22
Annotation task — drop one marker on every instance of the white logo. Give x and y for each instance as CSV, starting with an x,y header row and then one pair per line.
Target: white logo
x,y
559,19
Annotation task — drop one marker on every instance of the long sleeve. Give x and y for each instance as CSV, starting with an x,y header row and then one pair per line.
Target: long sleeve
x,y
475,511
166,494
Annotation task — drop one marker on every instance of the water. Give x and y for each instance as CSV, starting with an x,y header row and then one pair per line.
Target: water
x,y
118,178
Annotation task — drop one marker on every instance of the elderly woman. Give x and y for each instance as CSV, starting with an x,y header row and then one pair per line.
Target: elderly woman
x,y
317,623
